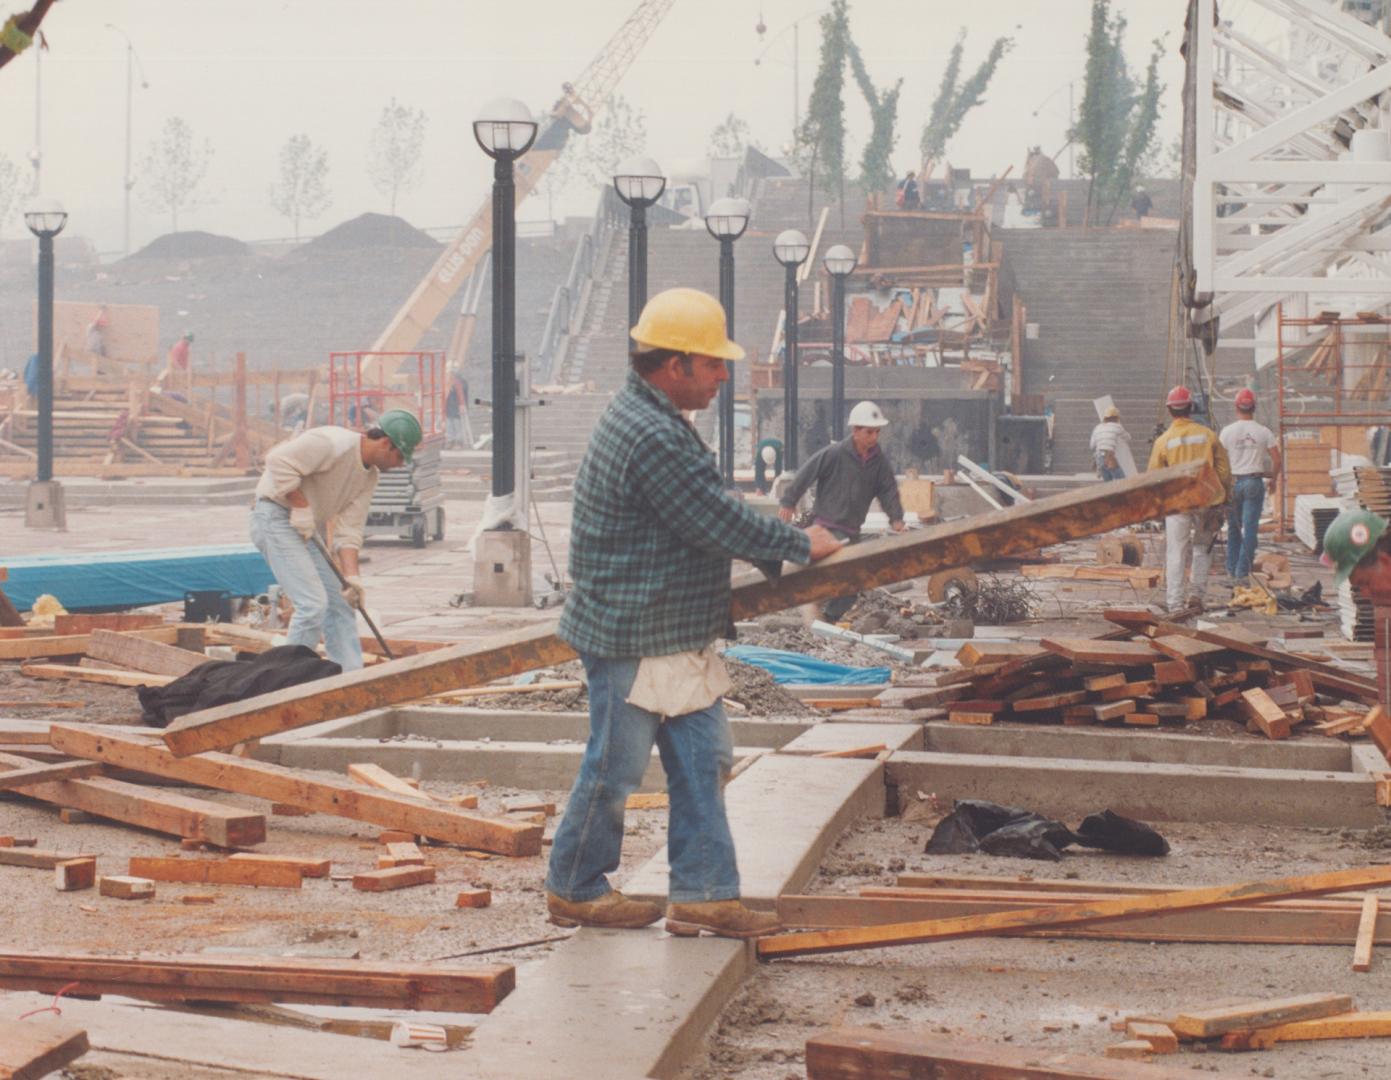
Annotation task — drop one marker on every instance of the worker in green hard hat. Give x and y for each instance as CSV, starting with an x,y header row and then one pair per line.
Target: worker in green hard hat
x,y
1358,546
326,476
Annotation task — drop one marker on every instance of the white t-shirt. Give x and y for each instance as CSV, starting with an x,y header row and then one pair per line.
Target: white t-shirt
x,y
1248,446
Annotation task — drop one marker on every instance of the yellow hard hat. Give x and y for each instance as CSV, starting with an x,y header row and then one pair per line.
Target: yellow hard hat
x,y
688,321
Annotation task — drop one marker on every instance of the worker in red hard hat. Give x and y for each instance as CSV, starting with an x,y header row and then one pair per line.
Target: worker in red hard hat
x,y
1189,536
1254,453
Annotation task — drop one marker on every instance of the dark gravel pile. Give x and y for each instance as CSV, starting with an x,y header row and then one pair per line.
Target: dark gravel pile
x,y
369,231
755,689
191,245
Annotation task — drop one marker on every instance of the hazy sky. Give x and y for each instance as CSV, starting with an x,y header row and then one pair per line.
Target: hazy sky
x,y
247,74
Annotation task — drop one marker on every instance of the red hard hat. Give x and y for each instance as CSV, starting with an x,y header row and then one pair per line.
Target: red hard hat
x,y
1245,399
1178,398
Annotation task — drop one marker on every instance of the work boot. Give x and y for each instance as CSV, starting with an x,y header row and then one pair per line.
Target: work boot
x,y
612,910
723,918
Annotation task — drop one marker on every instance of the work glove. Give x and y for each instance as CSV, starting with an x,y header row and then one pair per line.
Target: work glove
x,y
354,592
302,521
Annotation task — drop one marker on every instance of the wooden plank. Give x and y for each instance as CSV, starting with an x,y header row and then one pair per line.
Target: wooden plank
x,y
911,933
974,653
73,644
94,675
1356,1025
1210,1023
179,815
273,875
1160,1037
1260,710
1179,647
36,774
30,1049
1262,924
123,887
1104,682
85,624
375,776
1366,933
396,877
1378,727
1033,884
1050,701
150,656
74,875
1169,672
308,867
1091,651
263,979
874,1054
34,858
320,794
1015,530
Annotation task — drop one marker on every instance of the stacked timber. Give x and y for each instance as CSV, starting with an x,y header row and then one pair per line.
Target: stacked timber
x,y
1312,516
1164,673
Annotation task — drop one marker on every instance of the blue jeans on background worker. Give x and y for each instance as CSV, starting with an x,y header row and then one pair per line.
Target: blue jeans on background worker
x,y
1112,473
1243,523
309,582
696,751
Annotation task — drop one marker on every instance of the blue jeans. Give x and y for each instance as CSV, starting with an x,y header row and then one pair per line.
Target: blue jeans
x,y
696,752
1107,474
308,580
1243,523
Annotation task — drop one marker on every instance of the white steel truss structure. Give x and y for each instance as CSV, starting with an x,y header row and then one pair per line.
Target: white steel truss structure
x,y
1290,145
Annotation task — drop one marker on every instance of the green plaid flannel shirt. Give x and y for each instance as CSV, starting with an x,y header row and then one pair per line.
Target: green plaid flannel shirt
x,y
653,532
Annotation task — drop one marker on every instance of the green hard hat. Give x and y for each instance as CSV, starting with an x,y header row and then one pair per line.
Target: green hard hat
x,y
403,429
1349,539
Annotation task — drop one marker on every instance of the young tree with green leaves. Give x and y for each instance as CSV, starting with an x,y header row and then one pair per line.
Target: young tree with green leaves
x,y
395,149
876,160
619,133
730,138
302,190
173,169
954,101
1117,117
823,130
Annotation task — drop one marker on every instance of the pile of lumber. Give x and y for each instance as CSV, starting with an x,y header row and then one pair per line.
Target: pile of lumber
x,y
1153,672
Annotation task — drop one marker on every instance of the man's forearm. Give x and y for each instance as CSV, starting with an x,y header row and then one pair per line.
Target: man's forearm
x,y
297,499
347,561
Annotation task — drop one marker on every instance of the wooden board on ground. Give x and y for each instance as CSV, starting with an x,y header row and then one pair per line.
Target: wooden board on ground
x,y
1096,651
1013,531
313,792
85,624
1213,1022
1356,1025
35,858
392,878
179,815
149,656
273,875
94,675
30,1049
374,775
37,774
264,979
912,933
865,1053
1366,935
75,644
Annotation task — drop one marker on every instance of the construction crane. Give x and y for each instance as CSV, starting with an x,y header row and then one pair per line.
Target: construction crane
x,y
572,114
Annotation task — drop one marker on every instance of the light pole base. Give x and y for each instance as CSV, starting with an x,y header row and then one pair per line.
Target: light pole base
x,y
502,569
45,506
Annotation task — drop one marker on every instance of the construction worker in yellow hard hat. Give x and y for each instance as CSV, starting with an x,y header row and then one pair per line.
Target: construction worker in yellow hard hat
x,y
653,533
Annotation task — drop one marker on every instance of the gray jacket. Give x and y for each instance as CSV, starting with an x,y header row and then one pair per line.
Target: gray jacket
x,y
845,486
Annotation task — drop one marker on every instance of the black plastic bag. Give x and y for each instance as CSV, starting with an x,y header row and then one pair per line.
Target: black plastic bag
x,y
221,682
1125,836
976,825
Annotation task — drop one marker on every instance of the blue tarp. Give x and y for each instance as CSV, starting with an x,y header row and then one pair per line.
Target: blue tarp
x,y
102,581
795,667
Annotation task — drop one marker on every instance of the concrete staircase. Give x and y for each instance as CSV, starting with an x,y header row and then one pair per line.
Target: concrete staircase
x,y
468,474
1100,299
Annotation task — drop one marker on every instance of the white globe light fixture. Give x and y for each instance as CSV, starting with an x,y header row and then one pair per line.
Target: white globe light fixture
x,y
839,261
45,217
639,181
727,218
504,128
791,248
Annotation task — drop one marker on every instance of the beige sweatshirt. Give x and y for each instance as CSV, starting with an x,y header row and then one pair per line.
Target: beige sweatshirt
x,y
326,464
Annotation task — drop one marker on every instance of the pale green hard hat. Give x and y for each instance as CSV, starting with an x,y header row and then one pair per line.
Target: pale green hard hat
x,y
1351,537
403,429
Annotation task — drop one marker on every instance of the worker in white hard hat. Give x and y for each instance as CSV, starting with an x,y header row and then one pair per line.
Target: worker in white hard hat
x,y
653,533
846,477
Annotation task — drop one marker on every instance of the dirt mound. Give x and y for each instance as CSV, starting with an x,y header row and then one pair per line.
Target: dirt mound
x,y
191,245
369,231
755,689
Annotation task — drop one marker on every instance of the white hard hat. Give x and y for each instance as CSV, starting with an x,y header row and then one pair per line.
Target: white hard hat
x,y
769,455
868,414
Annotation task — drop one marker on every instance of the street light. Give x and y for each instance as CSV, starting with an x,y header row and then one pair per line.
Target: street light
x,y
45,218
639,183
839,263
132,61
726,220
505,130
791,249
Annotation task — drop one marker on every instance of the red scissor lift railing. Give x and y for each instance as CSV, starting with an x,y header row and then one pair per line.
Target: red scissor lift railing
x,y
358,381
1329,392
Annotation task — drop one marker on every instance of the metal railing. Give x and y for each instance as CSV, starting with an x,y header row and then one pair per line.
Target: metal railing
x,y
567,305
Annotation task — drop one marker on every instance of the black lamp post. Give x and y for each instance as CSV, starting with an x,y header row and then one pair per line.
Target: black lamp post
x,y
726,221
45,219
839,263
791,249
639,183
505,130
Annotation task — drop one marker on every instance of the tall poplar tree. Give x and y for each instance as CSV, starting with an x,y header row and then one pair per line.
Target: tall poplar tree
x,y
954,101
823,130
